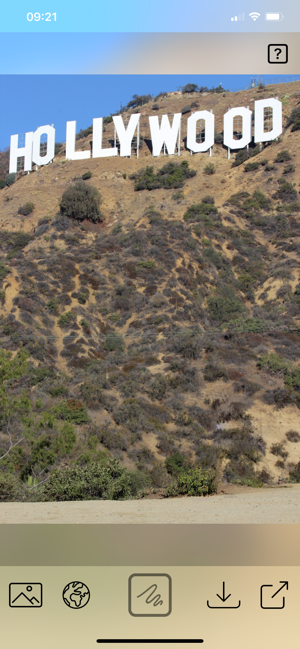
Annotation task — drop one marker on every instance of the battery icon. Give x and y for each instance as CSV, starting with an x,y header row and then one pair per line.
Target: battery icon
x,y
275,16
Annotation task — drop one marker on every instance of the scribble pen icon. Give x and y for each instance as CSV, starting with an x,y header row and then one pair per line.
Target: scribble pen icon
x,y
156,599
149,595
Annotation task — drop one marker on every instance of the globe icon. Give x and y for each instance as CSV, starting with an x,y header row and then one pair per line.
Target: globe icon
x,y
76,594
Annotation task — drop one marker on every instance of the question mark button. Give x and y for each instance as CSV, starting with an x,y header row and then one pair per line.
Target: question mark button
x,y
277,53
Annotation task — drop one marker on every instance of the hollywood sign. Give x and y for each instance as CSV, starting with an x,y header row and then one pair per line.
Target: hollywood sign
x,y
164,135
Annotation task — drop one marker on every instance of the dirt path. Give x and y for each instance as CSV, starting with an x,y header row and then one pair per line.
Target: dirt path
x,y
278,505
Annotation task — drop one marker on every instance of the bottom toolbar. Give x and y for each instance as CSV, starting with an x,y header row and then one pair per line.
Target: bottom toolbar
x,y
232,607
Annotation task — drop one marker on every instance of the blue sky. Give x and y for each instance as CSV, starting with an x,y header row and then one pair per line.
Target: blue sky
x,y
31,101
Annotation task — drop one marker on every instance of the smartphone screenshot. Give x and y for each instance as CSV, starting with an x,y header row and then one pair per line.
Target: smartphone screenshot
x,y
150,325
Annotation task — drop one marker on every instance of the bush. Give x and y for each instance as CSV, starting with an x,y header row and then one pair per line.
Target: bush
x,y
109,481
293,436
283,156
108,120
72,410
26,209
219,138
251,166
86,175
113,342
214,372
199,211
9,487
171,175
295,473
81,201
10,179
66,319
2,183
210,169
295,119
286,191
4,270
223,308
175,463
194,482
189,87
186,109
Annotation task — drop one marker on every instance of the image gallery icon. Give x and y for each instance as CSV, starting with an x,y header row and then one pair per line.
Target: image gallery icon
x,y
25,595
150,595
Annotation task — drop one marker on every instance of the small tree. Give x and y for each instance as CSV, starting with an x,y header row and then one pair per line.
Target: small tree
x,y
190,87
81,201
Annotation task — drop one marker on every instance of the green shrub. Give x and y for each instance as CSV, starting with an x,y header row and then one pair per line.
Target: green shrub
x,y
251,166
283,156
186,109
108,120
26,209
155,107
175,463
286,191
219,138
10,179
225,307
66,319
273,363
171,175
15,241
2,183
146,264
81,201
72,410
289,169
214,371
67,438
197,212
109,481
295,119
210,169
58,391
295,472
10,488
194,482
189,87
244,154
113,341
4,270
86,175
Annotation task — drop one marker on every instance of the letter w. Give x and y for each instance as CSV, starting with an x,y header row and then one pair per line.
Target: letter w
x,y
164,133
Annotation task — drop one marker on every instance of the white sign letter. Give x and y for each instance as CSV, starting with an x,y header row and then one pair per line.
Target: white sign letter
x,y
98,152
209,120
125,135
71,154
275,106
36,157
16,152
164,133
246,138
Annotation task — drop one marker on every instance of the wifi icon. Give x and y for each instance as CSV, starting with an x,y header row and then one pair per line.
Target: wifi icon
x,y
254,15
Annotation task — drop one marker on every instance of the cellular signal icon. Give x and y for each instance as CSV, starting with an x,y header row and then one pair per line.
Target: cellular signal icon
x,y
238,17
254,15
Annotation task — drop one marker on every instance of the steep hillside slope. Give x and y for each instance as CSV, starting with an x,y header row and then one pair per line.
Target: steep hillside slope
x,y
166,336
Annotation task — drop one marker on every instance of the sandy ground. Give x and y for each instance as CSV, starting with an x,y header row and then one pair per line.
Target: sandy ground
x,y
275,505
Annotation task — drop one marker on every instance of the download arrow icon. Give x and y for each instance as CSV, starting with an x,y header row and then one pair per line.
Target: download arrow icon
x,y
223,599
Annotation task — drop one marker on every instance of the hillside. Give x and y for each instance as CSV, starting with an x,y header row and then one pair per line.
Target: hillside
x,y
166,336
